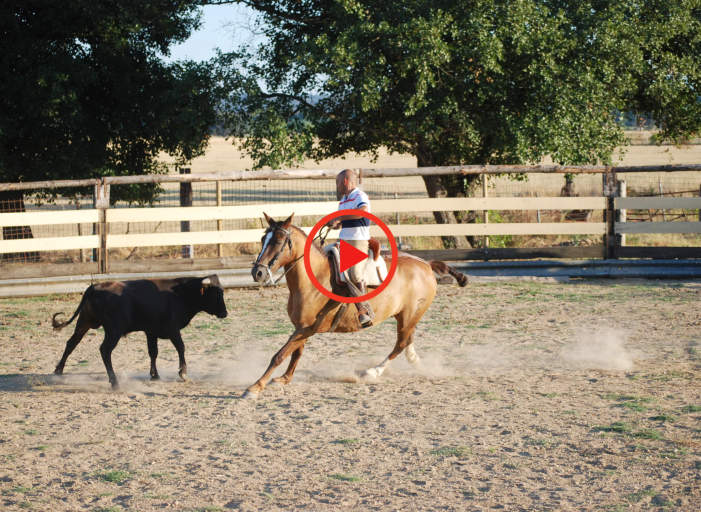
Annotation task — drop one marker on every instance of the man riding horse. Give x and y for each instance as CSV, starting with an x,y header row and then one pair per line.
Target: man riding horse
x,y
355,230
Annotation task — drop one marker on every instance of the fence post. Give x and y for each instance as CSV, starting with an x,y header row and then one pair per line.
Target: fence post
x,y
186,200
80,229
621,214
699,208
485,183
101,200
220,223
609,190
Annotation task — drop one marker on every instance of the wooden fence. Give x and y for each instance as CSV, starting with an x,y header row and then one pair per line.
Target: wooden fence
x,y
613,229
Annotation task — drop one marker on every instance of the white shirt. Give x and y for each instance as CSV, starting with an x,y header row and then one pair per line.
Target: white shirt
x,y
356,229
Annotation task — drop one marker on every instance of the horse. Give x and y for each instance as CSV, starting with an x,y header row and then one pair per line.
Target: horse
x,y
406,298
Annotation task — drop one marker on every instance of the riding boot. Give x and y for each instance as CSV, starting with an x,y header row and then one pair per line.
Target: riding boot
x,y
365,313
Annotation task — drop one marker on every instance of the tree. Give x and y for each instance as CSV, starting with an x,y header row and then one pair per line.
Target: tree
x,y
84,91
463,81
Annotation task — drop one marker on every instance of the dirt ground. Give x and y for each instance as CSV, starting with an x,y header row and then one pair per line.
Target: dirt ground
x,y
531,396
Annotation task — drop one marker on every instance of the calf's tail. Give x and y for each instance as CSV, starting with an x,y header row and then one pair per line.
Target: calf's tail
x,y
442,269
60,325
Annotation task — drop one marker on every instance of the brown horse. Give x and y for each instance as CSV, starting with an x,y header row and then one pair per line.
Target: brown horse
x,y
407,297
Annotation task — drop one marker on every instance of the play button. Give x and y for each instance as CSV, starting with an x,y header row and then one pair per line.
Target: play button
x,y
349,255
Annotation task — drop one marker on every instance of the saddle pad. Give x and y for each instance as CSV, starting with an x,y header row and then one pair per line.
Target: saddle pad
x,y
375,269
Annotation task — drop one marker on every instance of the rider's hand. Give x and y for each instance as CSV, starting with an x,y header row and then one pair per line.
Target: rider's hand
x,y
333,224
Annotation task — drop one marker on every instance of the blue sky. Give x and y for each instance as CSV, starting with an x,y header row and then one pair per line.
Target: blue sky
x,y
222,26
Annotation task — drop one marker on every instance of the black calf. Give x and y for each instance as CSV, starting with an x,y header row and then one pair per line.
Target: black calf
x,y
159,307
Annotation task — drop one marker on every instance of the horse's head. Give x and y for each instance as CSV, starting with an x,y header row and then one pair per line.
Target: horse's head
x,y
276,251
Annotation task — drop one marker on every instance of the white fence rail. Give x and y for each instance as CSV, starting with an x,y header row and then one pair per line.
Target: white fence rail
x,y
319,209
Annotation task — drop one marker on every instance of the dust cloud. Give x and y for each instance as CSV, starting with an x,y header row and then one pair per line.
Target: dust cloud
x,y
598,350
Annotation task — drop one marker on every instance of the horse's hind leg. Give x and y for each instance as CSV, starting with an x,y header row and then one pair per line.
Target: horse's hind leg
x,y
411,355
405,337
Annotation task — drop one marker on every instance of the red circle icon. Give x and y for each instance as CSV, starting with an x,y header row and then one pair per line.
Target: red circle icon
x,y
310,240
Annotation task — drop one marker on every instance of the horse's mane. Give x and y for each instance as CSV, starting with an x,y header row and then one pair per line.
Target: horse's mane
x,y
315,244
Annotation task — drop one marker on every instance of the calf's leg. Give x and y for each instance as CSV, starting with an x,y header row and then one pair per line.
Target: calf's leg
x,y
81,327
152,343
177,341
106,349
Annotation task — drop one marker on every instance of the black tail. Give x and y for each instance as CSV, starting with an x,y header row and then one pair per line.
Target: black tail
x,y
442,269
60,325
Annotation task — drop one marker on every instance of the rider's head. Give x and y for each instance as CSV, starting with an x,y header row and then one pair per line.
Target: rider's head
x,y
346,180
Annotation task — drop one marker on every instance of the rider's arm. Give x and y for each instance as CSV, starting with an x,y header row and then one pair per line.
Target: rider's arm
x,y
335,223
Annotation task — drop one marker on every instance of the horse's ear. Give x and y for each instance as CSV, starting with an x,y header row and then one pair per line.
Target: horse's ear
x,y
288,221
269,219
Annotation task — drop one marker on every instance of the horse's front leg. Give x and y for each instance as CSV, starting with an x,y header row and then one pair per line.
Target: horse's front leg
x,y
294,343
294,359
294,346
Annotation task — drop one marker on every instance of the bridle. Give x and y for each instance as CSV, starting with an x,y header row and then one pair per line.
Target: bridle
x,y
287,242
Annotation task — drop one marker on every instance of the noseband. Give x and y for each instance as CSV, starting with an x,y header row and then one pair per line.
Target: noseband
x,y
286,242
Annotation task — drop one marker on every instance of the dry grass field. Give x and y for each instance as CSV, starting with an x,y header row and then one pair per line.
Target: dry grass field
x,y
222,155
531,396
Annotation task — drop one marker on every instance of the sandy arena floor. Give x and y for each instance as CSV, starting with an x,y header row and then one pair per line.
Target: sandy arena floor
x,y
531,396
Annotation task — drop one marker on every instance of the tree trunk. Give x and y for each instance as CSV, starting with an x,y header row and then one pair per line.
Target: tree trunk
x,y
13,201
436,188
449,186
568,189
463,186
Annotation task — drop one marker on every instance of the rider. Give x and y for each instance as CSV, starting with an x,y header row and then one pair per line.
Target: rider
x,y
355,230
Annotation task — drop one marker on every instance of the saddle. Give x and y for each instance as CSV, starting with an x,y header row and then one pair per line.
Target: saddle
x,y
375,270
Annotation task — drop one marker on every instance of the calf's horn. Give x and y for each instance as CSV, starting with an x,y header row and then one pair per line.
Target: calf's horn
x,y
214,280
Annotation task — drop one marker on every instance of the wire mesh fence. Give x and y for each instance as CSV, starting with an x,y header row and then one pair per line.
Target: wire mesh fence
x,y
242,192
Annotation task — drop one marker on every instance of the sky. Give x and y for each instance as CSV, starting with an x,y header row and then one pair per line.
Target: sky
x,y
222,26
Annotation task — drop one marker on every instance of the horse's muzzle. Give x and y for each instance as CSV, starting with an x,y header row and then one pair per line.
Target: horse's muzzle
x,y
261,274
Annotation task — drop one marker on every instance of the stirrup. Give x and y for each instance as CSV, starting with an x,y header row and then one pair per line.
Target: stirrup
x,y
365,320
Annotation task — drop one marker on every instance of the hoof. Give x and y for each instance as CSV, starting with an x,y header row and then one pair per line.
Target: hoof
x,y
155,377
249,395
58,371
185,378
371,373
282,381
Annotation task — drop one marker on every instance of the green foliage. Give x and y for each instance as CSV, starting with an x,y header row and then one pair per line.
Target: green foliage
x,y
479,81
115,476
348,442
452,451
85,92
618,427
345,478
